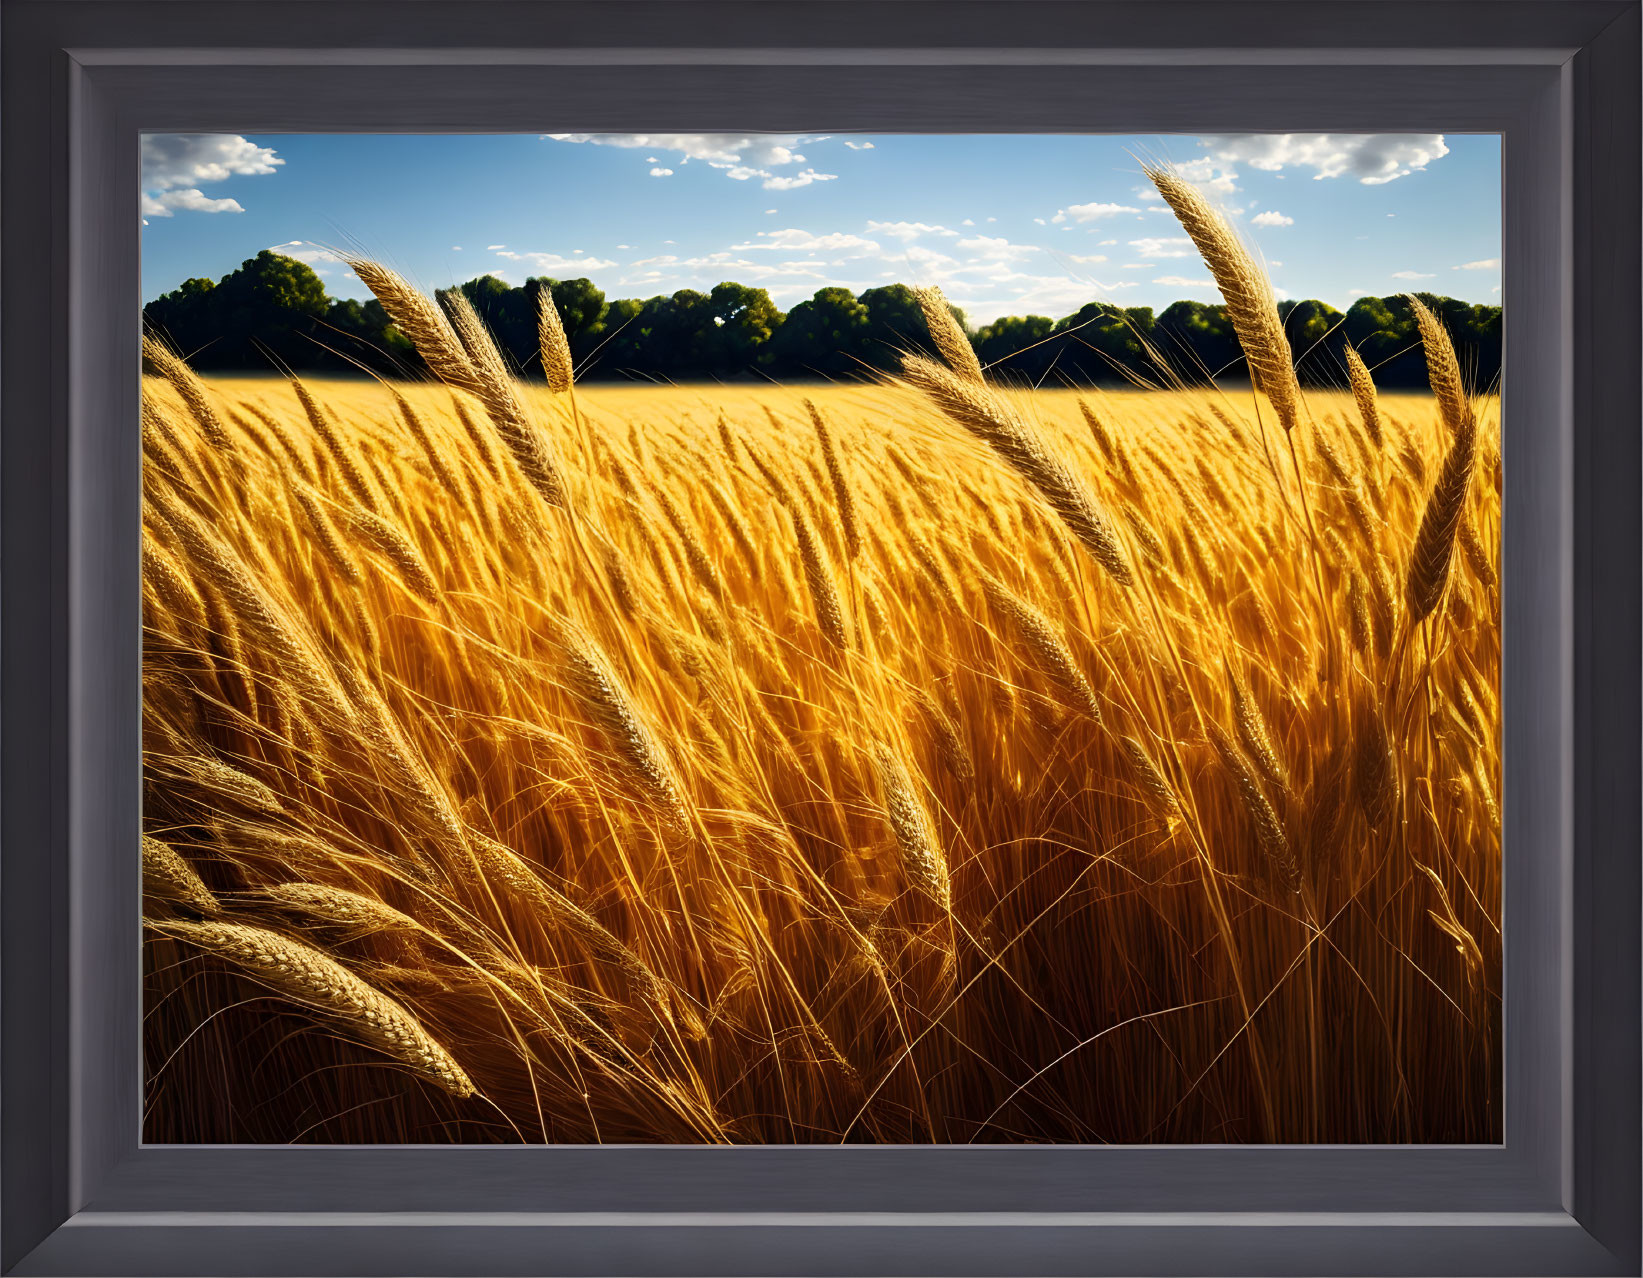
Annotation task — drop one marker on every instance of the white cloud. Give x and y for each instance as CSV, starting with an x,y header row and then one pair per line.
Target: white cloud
x,y
190,199
739,156
1275,263
797,180
1163,246
1138,266
1039,220
1271,218
1482,264
907,230
187,159
1209,175
859,146
795,240
661,173
1410,275
1087,260
1372,158
768,211
174,165
992,219
1181,281
969,221
304,252
996,248
555,261
456,248
492,248
762,149
1354,292
1089,212
624,246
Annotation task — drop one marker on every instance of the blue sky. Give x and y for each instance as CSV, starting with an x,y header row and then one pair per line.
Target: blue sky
x,y
1005,224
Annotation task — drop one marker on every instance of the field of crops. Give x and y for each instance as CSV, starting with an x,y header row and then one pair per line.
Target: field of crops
x,y
929,762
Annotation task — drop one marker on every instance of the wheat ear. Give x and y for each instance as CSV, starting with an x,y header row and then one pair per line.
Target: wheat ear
x,y
818,578
1363,390
1250,304
1047,650
991,420
594,683
550,337
393,546
921,858
307,976
951,341
528,445
190,388
841,490
1435,538
167,876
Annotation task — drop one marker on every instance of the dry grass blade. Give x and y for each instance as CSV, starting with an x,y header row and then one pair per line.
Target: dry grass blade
x,y
988,418
305,975
1250,303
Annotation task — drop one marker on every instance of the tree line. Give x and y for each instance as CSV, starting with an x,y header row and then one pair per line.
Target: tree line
x,y
273,311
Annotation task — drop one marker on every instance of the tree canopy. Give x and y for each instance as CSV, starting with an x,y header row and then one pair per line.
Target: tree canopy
x,y
274,311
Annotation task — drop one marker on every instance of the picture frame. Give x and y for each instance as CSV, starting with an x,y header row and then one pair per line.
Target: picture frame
x,y
79,1194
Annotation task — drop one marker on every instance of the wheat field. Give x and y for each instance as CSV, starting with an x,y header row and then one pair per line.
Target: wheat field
x,y
928,761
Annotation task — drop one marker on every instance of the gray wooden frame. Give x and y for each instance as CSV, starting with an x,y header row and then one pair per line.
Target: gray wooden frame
x,y
81,78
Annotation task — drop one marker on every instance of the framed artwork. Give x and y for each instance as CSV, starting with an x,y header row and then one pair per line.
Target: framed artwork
x,y
1013,648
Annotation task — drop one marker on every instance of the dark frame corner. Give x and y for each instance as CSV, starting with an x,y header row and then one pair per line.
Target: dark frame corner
x,y
1559,79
